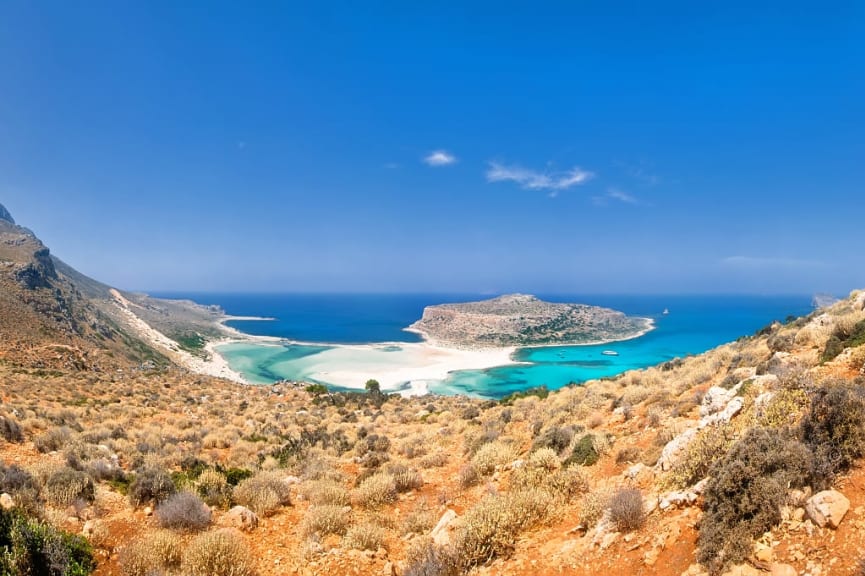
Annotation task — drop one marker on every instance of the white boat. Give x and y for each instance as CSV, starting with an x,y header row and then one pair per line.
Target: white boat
x,y
666,311
610,353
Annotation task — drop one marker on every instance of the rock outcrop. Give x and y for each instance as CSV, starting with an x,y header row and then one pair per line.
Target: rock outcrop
x,y
827,508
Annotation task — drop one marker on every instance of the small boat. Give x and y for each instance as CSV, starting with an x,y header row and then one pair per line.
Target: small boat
x,y
666,311
610,353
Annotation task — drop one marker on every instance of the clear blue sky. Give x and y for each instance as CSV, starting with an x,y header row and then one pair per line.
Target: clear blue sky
x,y
568,147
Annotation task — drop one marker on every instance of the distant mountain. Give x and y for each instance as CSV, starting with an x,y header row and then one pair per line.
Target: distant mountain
x,y
524,320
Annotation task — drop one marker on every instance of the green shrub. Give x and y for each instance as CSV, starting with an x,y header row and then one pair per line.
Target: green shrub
x,y
29,547
219,553
844,337
834,429
151,484
745,492
584,452
235,476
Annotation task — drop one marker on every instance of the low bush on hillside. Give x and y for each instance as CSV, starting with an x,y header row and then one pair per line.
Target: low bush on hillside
x,y
745,492
219,553
30,547
53,439
264,493
425,558
364,536
326,492
834,429
405,478
22,486
845,335
375,491
557,438
183,511
491,455
626,509
324,520
214,488
154,553
67,486
584,452
151,484
10,430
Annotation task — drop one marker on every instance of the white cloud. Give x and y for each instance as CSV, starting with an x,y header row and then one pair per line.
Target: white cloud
x,y
754,262
439,158
617,195
533,180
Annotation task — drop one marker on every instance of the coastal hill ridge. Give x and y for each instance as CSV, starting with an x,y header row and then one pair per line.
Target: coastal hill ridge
x,y
525,320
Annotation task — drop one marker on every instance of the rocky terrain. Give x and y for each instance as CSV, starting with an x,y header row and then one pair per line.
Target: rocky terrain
x,y
524,320
745,460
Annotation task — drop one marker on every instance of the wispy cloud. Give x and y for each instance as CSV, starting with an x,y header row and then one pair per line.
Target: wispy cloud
x,y
756,262
617,195
534,180
439,158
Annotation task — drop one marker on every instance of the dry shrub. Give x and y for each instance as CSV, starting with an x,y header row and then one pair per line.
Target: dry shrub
x,y
468,476
434,460
264,493
375,491
418,522
593,506
151,484
53,440
493,454
364,536
626,509
214,488
151,554
67,486
425,558
545,458
10,430
325,519
405,478
183,511
326,492
219,553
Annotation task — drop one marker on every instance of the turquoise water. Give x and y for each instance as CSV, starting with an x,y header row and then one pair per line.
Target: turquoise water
x,y
694,324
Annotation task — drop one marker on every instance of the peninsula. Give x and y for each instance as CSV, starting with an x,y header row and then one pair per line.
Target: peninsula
x,y
524,320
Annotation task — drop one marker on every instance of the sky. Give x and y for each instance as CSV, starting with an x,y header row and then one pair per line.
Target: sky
x,y
483,147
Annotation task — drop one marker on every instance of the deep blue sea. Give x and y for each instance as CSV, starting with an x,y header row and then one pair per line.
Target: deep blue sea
x,y
694,324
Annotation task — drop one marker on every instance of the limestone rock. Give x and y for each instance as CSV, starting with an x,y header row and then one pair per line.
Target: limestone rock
x,y
241,518
827,508
782,570
6,501
715,400
763,553
440,534
743,570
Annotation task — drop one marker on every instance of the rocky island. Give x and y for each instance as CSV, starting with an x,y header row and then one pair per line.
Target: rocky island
x,y
524,320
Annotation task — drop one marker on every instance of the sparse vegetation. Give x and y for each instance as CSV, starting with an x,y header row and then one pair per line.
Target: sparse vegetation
x,y
183,511
219,553
264,493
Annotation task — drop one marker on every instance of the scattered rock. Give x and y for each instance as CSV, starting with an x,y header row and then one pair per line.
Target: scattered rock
x,y
148,511
440,534
90,527
743,570
715,400
6,501
241,518
782,570
388,569
763,553
827,508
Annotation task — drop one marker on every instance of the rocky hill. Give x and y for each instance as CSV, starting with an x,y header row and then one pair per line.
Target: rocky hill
x,y
524,320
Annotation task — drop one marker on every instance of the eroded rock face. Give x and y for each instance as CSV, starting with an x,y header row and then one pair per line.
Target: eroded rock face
x,y
827,508
441,533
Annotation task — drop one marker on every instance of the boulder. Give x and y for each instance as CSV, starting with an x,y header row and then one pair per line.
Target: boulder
x,y
782,570
827,508
715,400
241,518
441,534
6,501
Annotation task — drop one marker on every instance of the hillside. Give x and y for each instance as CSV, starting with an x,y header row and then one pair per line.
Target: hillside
x,y
524,320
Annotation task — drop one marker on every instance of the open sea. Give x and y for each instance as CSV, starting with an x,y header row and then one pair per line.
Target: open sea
x,y
324,322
